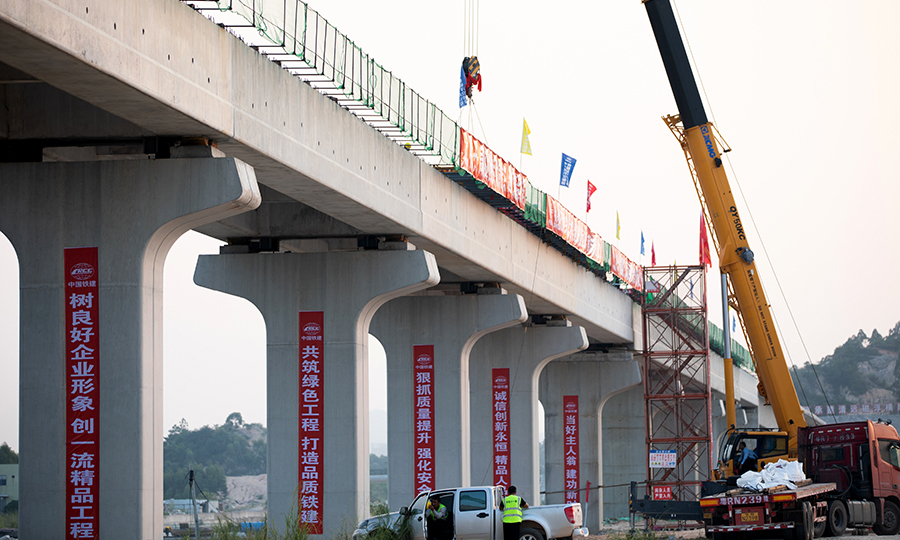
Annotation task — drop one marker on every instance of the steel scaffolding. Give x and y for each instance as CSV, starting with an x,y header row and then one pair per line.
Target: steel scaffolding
x,y
676,380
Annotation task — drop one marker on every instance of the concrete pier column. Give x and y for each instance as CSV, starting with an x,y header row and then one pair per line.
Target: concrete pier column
x,y
525,350
453,324
596,378
133,211
348,287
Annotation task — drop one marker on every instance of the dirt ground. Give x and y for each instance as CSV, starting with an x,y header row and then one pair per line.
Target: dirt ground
x,y
663,530
246,491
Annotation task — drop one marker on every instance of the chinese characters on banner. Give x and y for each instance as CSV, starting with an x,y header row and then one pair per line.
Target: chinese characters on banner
x,y
312,420
570,447
500,421
82,391
863,408
423,420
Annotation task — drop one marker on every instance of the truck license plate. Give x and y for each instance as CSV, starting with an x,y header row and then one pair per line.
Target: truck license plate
x,y
749,516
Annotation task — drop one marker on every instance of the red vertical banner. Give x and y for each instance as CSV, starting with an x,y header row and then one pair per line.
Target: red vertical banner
x,y
500,422
423,417
570,447
312,420
82,361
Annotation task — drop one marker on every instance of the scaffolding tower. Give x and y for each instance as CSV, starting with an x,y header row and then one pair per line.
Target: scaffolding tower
x,y
677,401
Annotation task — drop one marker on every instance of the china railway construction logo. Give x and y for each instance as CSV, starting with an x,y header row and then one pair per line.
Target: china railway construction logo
x,y
571,406
82,272
311,328
501,382
423,359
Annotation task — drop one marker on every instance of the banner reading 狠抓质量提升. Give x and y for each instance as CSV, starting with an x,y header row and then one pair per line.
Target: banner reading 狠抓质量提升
x,y
82,365
312,420
423,417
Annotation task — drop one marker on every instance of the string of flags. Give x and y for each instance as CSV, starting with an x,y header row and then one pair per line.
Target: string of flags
x,y
567,168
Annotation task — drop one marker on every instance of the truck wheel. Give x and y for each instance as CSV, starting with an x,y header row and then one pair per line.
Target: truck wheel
x,y
803,527
530,534
889,522
836,524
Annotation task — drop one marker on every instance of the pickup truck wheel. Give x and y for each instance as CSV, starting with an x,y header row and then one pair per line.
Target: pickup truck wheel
x,y
889,522
836,524
530,534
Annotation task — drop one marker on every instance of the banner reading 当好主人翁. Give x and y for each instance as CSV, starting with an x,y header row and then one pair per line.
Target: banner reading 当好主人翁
x,y
570,447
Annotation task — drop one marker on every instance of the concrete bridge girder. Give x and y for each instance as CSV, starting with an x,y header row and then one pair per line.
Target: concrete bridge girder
x,y
525,350
133,212
349,288
453,324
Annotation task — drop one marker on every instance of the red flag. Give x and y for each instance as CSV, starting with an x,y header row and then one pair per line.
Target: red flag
x,y
652,254
591,189
705,257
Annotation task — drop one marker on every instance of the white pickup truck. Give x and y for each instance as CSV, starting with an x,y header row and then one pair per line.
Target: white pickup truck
x,y
476,515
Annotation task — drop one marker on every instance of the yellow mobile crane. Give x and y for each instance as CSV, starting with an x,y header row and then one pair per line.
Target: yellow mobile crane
x,y
745,293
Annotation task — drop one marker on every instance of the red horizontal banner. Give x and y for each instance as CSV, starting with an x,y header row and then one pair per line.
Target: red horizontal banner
x,y
491,169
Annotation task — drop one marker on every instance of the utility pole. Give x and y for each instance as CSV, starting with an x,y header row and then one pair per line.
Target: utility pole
x,y
194,505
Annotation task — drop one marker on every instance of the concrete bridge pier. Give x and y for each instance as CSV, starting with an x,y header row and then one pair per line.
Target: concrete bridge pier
x,y
610,420
348,287
133,211
453,324
525,350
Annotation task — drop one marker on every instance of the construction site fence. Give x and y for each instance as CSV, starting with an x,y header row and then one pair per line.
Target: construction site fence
x,y
306,44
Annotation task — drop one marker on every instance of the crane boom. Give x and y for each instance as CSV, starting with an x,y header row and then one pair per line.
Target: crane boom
x,y
735,257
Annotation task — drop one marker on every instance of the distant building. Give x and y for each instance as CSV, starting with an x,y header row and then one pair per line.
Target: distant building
x,y
9,484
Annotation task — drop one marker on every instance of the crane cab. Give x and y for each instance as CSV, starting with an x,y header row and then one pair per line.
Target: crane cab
x,y
767,446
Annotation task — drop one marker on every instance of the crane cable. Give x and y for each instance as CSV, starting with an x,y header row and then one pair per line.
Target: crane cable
x,y
753,222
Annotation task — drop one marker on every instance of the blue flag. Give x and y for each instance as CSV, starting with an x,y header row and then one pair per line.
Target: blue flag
x,y
462,87
565,170
733,324
642,243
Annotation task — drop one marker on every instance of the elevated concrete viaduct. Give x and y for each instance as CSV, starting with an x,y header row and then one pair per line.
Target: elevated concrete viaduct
x,y
125,124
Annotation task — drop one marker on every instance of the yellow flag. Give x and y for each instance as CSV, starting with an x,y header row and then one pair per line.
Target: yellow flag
x,y
526,144
618,227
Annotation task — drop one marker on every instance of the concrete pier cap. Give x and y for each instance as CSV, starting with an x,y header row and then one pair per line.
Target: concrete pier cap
x,y
611,432
132,211
348,287
453,324
525,350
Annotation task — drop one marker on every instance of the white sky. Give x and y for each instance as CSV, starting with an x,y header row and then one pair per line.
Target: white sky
x,y
807,95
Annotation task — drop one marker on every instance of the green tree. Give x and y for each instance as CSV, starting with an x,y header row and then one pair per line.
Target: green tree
x,y
227,449
8,456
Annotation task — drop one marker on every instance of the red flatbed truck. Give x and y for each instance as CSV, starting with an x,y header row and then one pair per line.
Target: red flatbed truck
x,y
792,512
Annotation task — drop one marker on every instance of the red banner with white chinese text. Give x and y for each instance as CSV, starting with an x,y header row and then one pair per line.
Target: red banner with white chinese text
x,y
570,447
500,422
423,419
312,420
82,340
491,169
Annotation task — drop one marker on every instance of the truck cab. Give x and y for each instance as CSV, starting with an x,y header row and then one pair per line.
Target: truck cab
x,y
863,460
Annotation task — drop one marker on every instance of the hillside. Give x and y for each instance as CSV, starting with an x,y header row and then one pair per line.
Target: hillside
x,y
232,449
859,380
